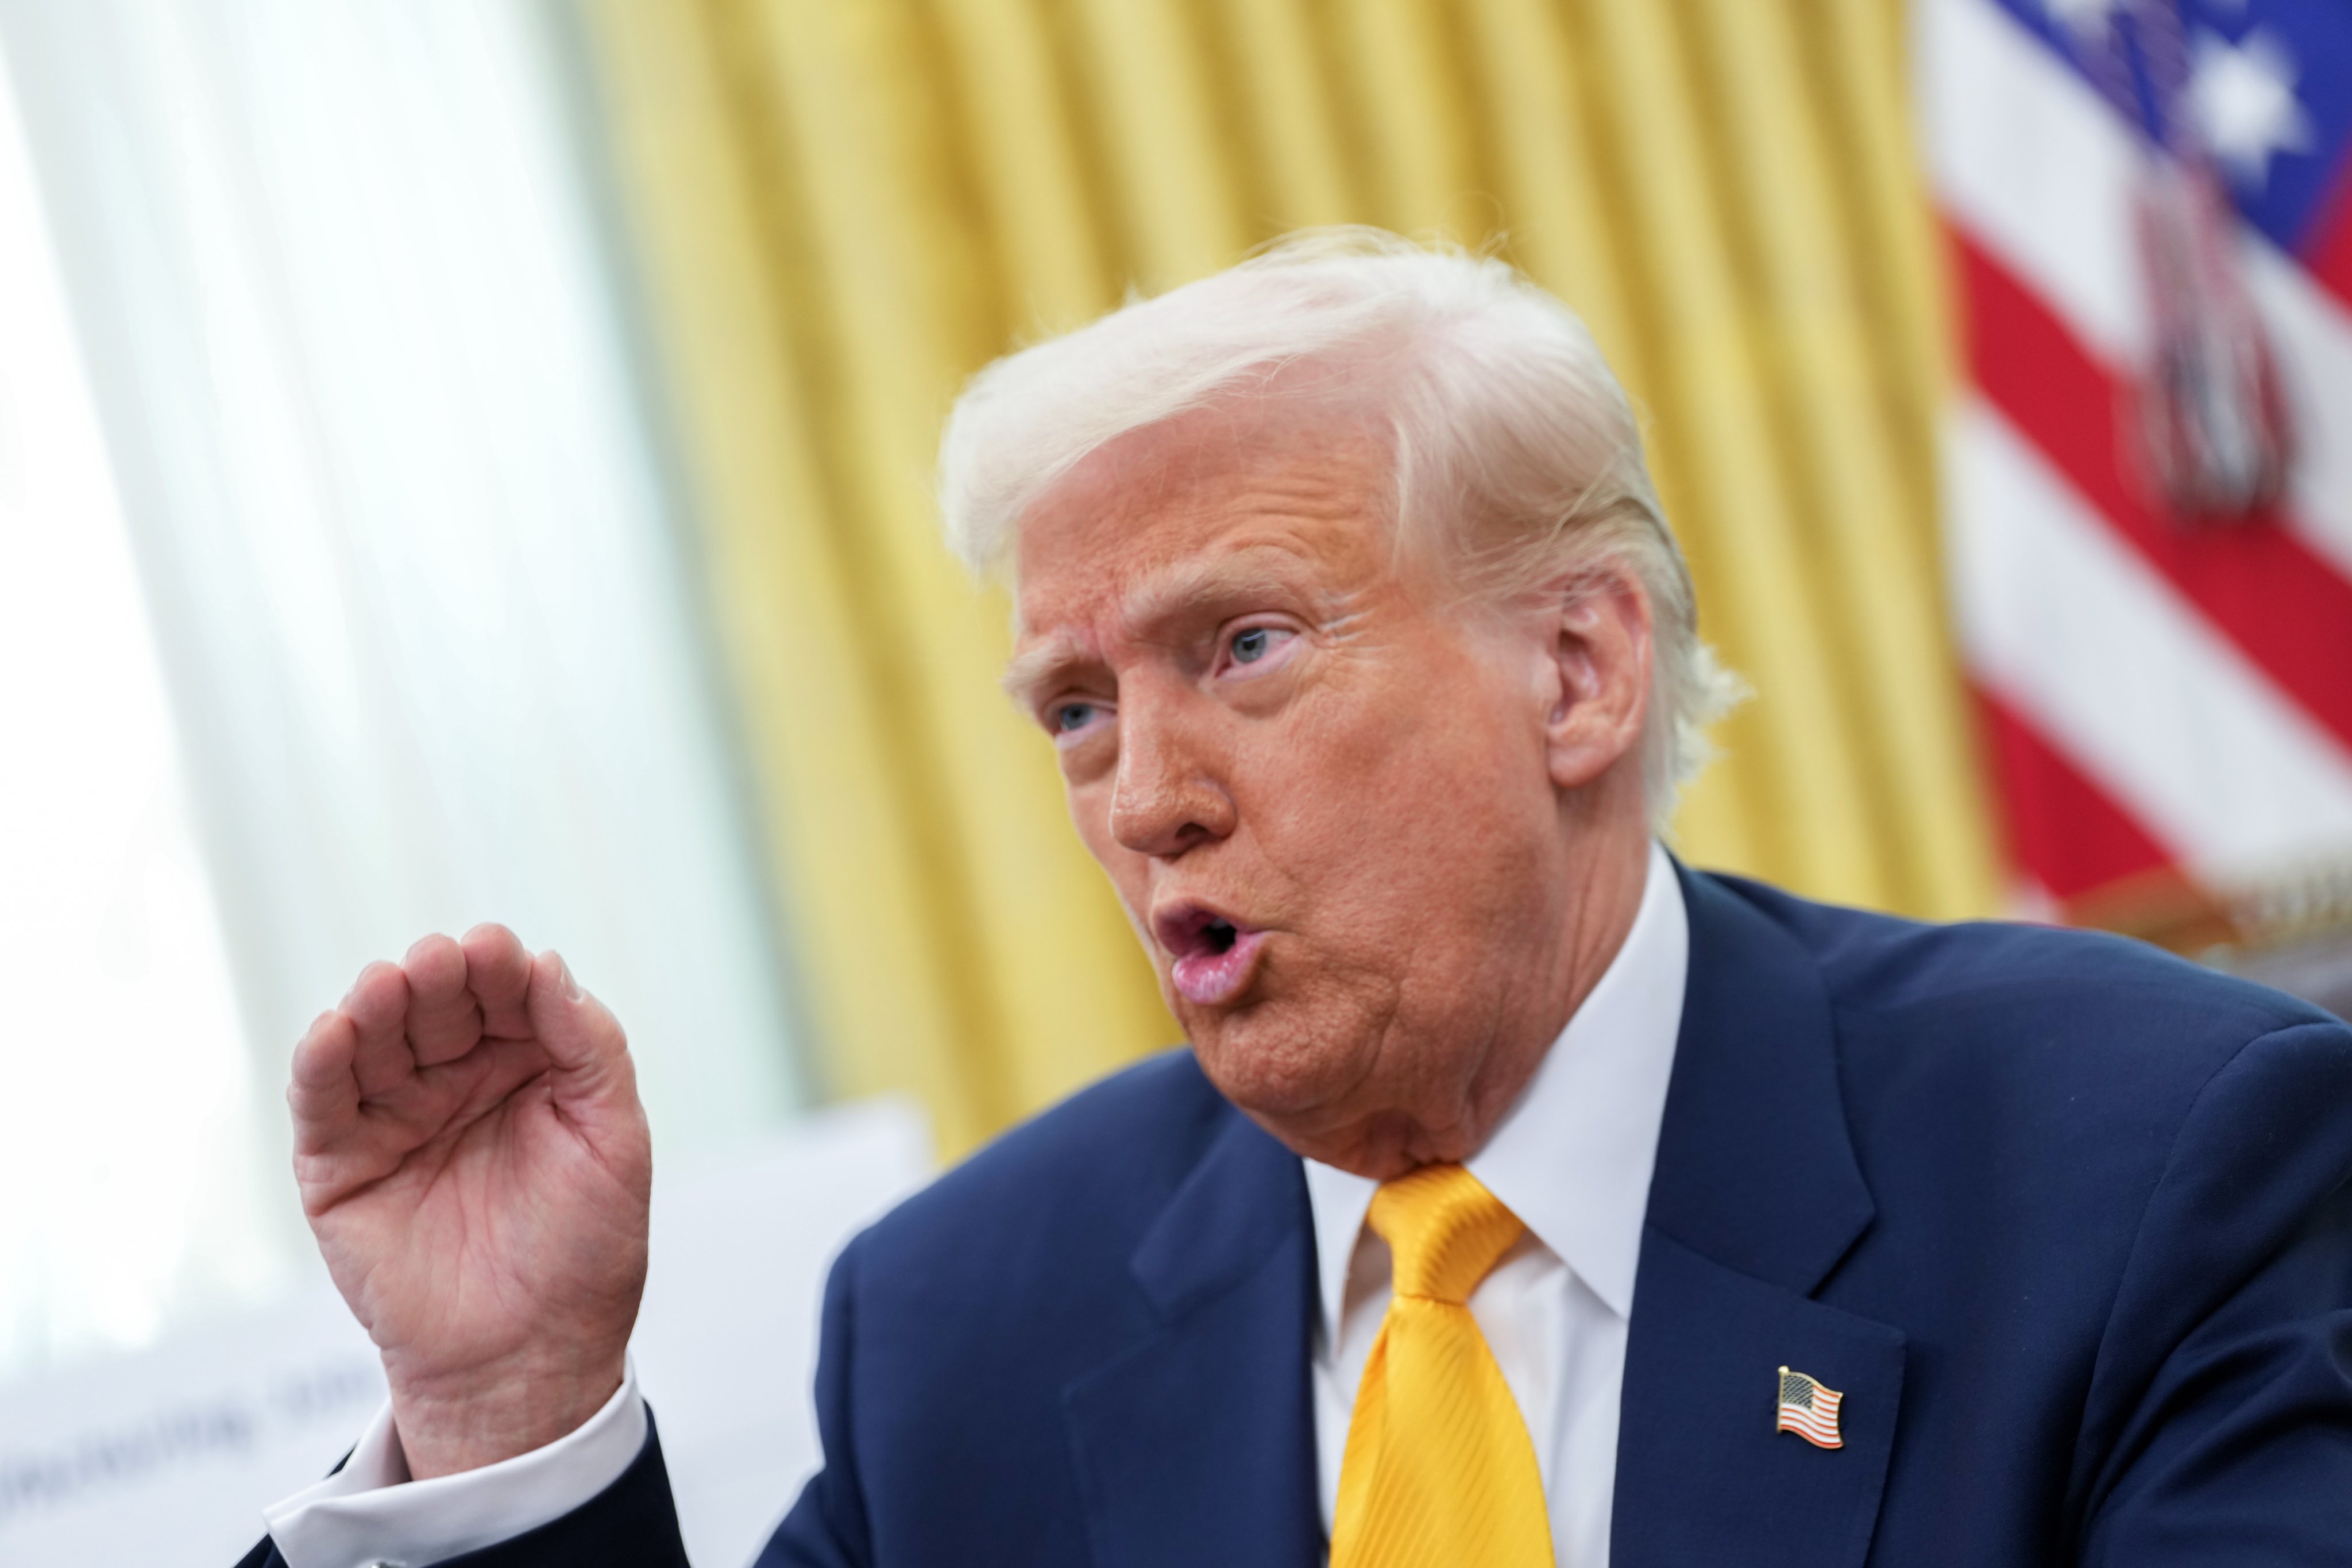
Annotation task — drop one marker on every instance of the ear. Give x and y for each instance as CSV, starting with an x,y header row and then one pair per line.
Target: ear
x,y
1597,677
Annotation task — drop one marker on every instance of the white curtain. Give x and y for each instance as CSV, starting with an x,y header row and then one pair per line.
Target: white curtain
x,y
400,518
133,1181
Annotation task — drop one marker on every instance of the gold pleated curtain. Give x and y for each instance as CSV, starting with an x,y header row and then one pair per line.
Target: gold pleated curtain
x,y
840,208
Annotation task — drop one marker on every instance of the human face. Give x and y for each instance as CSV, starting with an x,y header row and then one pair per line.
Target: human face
x,y
1329,796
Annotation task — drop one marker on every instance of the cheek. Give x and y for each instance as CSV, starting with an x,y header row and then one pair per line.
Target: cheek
x,y
1417,843
1129,874
1403,782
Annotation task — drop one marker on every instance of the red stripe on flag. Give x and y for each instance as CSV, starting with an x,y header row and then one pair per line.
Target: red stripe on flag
x,y
1820,1434
2326,250
2064,831
2285,606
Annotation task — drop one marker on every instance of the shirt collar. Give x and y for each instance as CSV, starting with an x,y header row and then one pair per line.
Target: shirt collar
x,y
1572,1158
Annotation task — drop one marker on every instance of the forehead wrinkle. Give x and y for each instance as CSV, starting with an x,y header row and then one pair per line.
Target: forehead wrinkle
x,y
1168,596
1170,592
1173,591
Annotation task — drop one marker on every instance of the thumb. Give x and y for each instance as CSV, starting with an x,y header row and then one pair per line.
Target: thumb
x,y
581,1036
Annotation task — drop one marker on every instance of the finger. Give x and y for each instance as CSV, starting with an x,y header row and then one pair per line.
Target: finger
x,y
378,1009
323,1091
492,1073
442,1021
583,1039
498,971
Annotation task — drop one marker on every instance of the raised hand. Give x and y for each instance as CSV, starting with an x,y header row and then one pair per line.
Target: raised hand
x,y
474,1162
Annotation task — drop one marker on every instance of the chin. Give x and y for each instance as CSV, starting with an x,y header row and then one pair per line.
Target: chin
x,y
1277,1060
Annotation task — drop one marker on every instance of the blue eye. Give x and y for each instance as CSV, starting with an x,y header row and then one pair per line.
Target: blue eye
x,y
1250,646
1071,717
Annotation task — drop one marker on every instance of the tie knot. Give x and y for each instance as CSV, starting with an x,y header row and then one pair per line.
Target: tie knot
x,y
1445,1229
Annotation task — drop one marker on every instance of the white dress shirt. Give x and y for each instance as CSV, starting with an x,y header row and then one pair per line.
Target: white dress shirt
x,y
369,1512
1571,1159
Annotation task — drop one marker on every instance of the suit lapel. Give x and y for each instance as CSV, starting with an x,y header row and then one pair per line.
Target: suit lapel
x,y
1197,1444
1755,1199
1702,1477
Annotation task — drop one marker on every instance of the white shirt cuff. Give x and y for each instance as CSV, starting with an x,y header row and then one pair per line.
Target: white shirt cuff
x,y
370,1512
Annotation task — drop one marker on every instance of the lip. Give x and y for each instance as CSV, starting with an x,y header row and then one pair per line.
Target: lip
x,y
1213,955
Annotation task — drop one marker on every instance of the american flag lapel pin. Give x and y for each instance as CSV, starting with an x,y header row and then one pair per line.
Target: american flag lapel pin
x,y
1808,1410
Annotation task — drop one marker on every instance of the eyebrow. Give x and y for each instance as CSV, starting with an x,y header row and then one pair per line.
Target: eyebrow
x,y
1177,591
1163,597
1034,671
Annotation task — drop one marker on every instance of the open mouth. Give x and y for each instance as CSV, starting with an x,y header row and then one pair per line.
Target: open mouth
x,y
1213,953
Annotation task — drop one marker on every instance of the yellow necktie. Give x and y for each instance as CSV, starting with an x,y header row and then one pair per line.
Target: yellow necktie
x,y
1439,1472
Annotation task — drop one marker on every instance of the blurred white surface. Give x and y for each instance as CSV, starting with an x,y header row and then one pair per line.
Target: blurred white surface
x,y
165,1459
727,1341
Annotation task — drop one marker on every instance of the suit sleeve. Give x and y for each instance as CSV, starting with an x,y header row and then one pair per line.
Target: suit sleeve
x,y
828,1527
2218,1422
632,1523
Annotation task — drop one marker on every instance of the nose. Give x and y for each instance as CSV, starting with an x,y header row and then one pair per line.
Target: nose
x,y
1165,799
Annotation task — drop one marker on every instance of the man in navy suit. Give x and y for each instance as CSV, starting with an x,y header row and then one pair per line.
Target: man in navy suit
x,y
1524,1195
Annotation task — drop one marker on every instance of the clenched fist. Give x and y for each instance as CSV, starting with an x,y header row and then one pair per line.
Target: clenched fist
x,y
475,1164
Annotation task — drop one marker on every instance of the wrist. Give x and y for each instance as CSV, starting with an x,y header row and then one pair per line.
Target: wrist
x,y
448,1423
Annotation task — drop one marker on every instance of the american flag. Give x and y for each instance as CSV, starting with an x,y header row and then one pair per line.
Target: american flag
x,y
1808,1410
2149,527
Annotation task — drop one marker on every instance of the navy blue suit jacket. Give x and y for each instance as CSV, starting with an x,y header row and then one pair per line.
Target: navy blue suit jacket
x,y
2066,1221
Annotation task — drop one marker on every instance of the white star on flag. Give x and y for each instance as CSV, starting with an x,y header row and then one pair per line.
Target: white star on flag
x,y
2081,17
2243,97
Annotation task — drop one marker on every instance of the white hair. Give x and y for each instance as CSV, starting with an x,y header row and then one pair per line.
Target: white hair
x,y
1515,454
